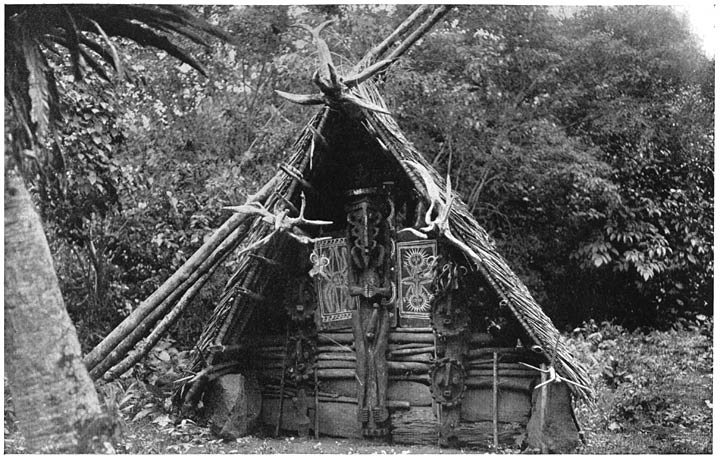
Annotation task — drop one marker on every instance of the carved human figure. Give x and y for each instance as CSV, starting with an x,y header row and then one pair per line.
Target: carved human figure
x,y
370,252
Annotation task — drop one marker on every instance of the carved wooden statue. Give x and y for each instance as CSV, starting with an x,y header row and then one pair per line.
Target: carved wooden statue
x,y
370,224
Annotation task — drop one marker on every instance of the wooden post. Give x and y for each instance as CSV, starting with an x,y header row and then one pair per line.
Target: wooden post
x,y
495,401
317,405
282,386
543,406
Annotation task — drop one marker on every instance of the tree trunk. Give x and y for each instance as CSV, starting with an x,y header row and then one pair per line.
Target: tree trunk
x,y
52,393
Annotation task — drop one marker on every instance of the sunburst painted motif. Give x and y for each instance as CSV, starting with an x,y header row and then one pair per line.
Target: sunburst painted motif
x,y
416,274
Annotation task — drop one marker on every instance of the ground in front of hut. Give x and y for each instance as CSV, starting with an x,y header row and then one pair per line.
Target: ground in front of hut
x,y
654,396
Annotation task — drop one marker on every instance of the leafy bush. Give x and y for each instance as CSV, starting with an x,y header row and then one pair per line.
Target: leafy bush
x,y
654,389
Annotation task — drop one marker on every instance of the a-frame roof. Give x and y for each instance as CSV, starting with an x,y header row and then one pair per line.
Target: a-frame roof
x,y
264,254
243,290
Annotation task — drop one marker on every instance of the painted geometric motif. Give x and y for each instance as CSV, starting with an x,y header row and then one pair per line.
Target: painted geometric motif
x,y
335,303
416,265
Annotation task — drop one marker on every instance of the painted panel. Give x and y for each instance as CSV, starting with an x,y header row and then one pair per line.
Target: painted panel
x,y
334,301
415,272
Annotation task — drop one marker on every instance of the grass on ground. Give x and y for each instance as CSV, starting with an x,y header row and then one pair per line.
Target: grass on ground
x,y
654,396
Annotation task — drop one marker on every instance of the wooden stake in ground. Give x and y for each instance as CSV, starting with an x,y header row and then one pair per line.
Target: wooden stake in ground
x,y
495,401
282,386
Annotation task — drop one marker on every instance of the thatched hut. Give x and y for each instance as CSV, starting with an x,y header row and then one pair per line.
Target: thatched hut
x,y
383,309
368,302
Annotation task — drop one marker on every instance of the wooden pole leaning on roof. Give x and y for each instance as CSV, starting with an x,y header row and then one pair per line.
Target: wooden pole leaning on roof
x,y
103,349
186,292
379,50
434,17
337,91
177,299
162,327
245,277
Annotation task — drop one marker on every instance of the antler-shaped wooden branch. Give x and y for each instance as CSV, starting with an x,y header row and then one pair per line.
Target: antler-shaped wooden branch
x,y
280,223
324,56
553,376
335,90
441,223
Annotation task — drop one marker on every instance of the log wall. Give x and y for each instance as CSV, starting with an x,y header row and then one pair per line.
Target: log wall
x,y
414,414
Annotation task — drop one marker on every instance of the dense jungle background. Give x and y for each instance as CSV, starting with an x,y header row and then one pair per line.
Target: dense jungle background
x,y
581,138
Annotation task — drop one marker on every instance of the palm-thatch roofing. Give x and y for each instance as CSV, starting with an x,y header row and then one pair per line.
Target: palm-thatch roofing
x,y
244,291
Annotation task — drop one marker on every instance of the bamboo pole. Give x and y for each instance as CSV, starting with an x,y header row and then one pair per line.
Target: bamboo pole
x,y
335,357
337,364
395,336
144,347
395,347
411,351
395,366
282,387
317,404
508,383
495,401
141,329
285,188
424,379
434,17
248,283
174,281
336,373
334,348
478,352
503,373
543,405
402,366
421,358
501,366
411,20
404,337
328,397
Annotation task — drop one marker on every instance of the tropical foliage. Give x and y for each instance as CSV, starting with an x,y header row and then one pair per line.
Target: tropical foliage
x,y
582,140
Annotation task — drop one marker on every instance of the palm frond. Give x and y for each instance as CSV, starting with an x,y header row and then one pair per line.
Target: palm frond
x,y
32,29
148,38
192,21
72,35
38,85
110,54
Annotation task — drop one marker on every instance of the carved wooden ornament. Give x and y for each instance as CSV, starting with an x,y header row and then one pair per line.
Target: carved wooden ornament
x,y
330,262
416,266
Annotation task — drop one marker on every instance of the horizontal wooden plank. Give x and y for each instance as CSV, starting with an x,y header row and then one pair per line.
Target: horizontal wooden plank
x,y
513,406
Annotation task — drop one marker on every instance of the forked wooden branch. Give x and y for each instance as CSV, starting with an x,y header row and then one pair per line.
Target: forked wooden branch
x,y
551,373
441,222
281,223
324,56
334,89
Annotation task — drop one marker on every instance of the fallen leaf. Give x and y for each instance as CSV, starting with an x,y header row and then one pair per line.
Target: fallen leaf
x,y
142,414
162,420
